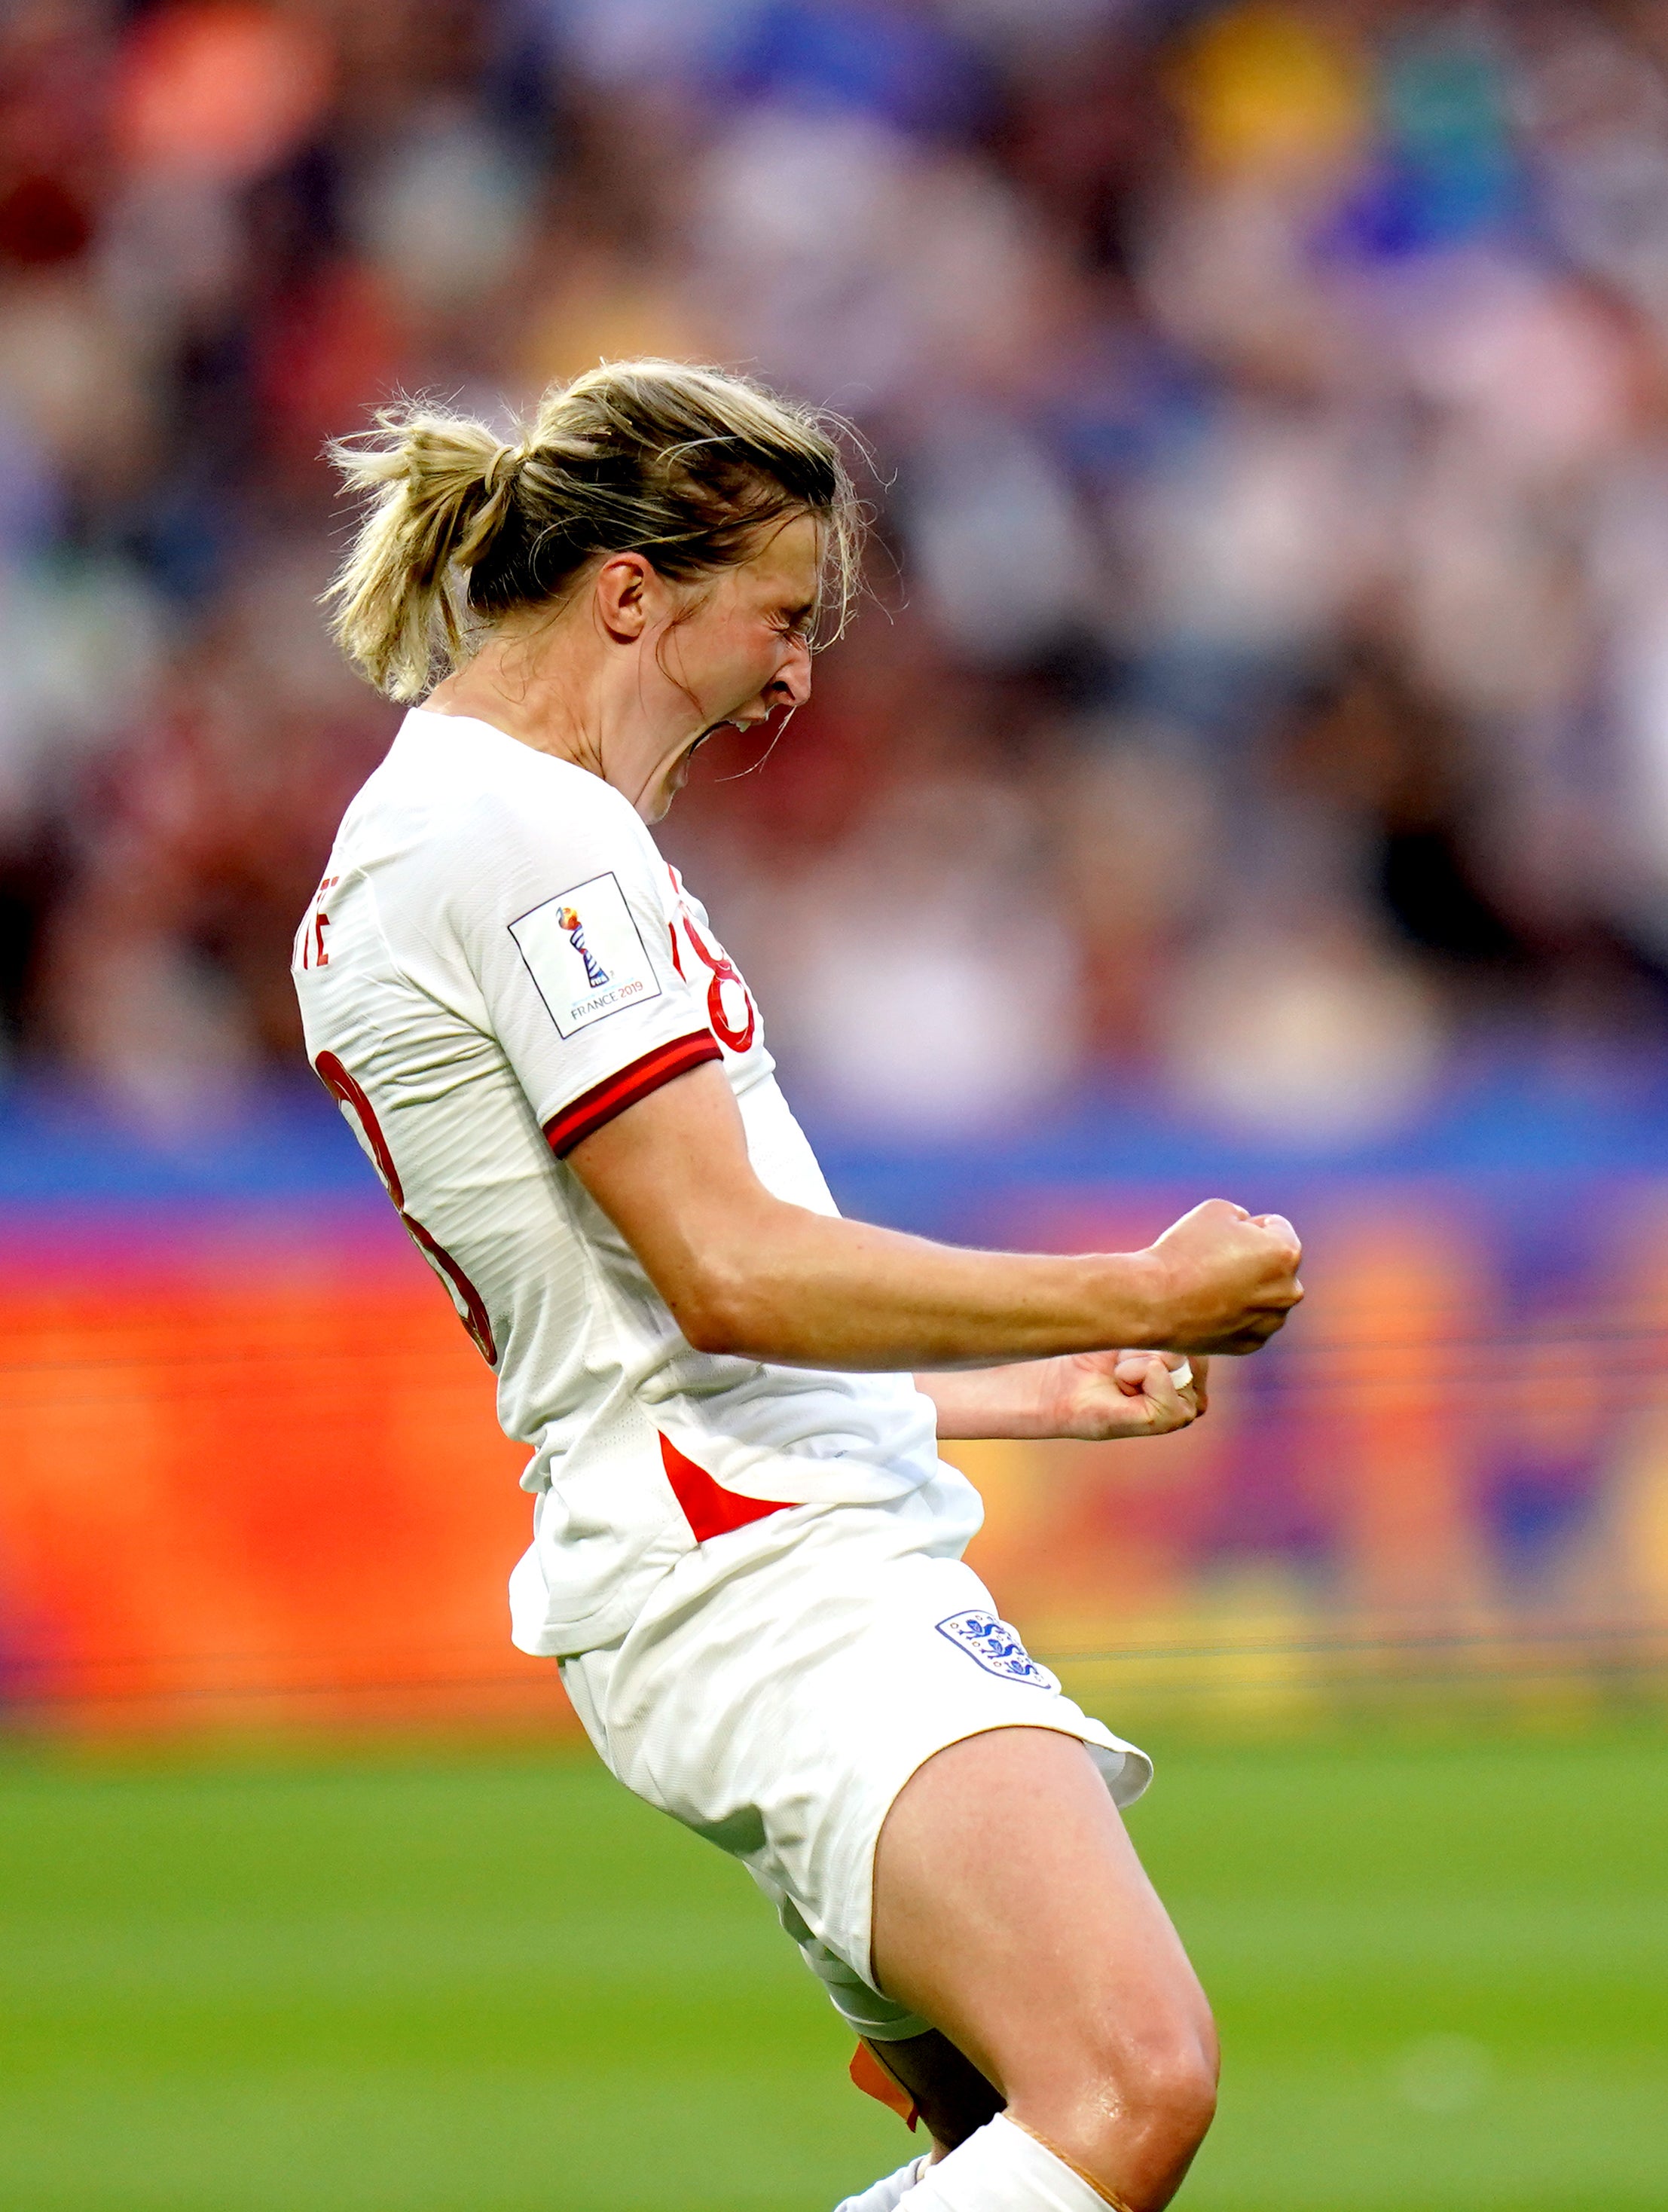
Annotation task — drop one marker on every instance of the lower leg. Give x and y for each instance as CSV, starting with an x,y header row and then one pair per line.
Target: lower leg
x,y
949,2091
1003,2168
1000,2168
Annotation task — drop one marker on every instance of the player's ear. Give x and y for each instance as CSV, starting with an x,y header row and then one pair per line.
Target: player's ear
x,y
624,585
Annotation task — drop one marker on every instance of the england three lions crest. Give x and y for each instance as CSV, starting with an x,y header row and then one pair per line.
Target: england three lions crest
x,y
997,1648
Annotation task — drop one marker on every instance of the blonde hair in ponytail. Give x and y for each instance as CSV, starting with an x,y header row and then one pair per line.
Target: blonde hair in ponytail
x,y
683,464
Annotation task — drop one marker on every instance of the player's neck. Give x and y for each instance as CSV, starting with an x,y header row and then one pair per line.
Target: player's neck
x,y
561,689
540,696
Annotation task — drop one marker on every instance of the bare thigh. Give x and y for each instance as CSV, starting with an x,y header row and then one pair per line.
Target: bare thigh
x,y
1011,1912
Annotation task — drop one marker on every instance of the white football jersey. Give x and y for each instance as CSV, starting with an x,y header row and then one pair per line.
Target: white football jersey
x,y
497,962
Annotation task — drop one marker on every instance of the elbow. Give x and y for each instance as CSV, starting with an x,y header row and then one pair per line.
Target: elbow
x,y
709,1328
717,1315
737,1285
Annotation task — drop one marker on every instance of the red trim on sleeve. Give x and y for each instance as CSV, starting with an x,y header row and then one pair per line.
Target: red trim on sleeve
x,y
615,1092
709,1510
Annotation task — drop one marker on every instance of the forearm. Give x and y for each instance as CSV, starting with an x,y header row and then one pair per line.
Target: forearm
x,y
1017,1401
810,1291
747,1272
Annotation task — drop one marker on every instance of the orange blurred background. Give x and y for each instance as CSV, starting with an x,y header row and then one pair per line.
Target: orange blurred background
x,y
259,1477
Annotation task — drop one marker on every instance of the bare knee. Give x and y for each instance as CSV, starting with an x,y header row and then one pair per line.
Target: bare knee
x,y
1133,2110
1168,2092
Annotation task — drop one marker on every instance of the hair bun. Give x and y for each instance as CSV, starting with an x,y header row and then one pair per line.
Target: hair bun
x,y
505,465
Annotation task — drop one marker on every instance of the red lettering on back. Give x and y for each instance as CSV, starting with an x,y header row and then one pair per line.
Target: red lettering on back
x,y
470,1305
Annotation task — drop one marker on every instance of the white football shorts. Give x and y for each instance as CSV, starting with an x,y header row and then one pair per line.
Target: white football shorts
x,y
785,1679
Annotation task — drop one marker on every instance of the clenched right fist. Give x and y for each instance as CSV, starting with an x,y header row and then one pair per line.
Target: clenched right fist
x,y
1226,1279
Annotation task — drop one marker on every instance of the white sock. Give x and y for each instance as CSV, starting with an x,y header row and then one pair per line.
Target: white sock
x,y
1002,2169
887,2196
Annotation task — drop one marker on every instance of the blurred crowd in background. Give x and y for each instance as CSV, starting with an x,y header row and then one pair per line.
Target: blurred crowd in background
x,y
1264,686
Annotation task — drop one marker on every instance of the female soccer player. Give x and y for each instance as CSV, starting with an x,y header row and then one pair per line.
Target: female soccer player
x,y
747,1554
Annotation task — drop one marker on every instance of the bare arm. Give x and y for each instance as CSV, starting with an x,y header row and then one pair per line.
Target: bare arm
x,y
1092,1397
746,1273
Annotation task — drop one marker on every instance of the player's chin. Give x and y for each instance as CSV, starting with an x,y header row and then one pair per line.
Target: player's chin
x,y
659,804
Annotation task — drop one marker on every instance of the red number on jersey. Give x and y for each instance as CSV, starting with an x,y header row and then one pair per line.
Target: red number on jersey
x,y
472,1307
723,971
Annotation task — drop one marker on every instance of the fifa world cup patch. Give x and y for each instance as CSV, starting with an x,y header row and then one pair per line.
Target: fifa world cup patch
x,y
585,954
997,1648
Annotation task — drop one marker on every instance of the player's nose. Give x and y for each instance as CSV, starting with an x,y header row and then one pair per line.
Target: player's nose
x,y
791,685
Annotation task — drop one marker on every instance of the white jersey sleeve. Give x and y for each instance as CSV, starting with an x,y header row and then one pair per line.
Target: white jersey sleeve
x,y
561,918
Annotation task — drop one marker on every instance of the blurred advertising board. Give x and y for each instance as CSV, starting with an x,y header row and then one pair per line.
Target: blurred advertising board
x,y
252,1472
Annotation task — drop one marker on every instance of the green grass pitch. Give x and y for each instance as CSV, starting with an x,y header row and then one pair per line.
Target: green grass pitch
x,y
438,1982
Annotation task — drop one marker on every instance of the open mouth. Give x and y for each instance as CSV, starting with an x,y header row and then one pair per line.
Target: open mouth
x,y
695,744
728,724
680,767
